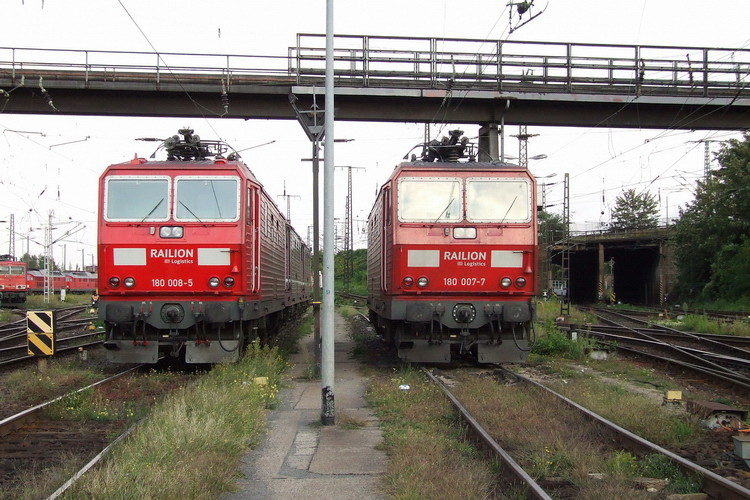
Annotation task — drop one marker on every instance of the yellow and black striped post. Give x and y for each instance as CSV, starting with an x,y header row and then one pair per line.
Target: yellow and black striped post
x,y
40,328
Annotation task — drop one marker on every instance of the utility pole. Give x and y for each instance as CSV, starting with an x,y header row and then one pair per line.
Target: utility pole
x,y
349,232
12,236
523,145
288,237
327,366
312,123
706,156
288,197
48,259
565,301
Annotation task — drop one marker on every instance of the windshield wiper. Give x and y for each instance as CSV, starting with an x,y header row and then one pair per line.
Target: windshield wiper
x,y
152,210
452,199
445,210
508,211
216,200
191,212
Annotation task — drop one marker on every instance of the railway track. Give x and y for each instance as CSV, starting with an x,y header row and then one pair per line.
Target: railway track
x,y
31,439
71,334
78,427
724,359
607,434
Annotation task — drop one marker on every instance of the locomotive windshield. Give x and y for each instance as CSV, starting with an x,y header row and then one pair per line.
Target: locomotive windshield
x,y
498,200
429,200
12,270
488,200
207,199
130,198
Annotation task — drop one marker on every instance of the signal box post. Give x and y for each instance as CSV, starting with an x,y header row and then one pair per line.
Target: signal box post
x,y
40,330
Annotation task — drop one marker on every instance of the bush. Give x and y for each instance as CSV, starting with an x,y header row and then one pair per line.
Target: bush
x,y
554,342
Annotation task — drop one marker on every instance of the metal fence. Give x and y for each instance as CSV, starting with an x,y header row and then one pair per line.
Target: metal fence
x,y
404,62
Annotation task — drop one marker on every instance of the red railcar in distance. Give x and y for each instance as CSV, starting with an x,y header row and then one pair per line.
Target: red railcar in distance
x,y
195,258
80,281
452,252
71,281
12,280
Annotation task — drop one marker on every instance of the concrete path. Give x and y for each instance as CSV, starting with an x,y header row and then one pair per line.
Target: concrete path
x,y
300,459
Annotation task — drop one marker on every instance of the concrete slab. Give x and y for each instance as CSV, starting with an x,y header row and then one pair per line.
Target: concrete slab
x,y
303,460
348,452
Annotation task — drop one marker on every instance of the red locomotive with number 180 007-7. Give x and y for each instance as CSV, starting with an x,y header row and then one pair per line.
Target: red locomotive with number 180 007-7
x,y
195,258
452,251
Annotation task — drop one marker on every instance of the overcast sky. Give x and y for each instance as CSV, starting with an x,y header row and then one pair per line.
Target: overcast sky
x,y
53,162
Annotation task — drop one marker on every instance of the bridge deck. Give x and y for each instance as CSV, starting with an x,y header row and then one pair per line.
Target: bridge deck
x,y
592,81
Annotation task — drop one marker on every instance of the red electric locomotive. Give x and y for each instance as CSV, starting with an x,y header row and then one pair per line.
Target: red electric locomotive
x,y
35,281
80,281
452,251
12,280
195,258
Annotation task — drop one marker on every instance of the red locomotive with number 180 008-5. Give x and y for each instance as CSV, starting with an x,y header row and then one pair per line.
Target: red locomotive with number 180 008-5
x,y
195,258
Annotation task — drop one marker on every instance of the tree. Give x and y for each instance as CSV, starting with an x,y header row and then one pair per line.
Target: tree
x,y
712,236
37,262
550,227
634,211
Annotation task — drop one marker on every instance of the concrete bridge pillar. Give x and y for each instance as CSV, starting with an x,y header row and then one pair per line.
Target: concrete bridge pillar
x,y
488,143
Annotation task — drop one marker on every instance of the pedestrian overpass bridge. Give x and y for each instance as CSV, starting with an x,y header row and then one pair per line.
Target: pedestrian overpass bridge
x,y
397,79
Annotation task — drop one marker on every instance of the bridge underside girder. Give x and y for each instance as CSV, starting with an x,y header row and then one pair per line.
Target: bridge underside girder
x,y
384,105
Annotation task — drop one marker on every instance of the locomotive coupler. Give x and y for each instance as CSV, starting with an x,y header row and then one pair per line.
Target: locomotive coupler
x,y
436,319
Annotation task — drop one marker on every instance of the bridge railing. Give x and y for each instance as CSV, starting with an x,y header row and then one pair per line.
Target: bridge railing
x,y
440,63
95,66
405,62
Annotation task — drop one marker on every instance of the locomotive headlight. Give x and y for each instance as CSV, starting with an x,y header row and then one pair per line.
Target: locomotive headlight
x,y
520,282
464,233
129,282
422,281
114,282
229,282
171,232
213,282
408,281
506,282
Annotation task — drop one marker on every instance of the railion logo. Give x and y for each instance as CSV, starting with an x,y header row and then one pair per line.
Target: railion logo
x,y
464,255
172,253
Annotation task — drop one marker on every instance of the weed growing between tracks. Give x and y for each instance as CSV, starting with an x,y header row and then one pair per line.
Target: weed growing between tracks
x,y
22,388
428,457
554,444
641,415
203,427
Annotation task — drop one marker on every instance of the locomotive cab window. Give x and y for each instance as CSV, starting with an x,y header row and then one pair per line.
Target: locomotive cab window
x,y
430,199
498,200
136,198
207,199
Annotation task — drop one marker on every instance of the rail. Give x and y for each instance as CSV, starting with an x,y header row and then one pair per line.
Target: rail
x,y
446,64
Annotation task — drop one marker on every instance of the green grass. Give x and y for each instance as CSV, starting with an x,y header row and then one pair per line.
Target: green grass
x,y
205,427
36,301
621,404
428,457
552,441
